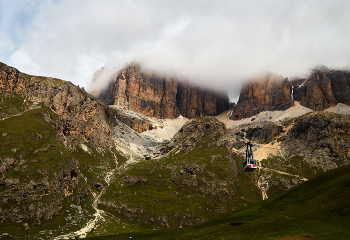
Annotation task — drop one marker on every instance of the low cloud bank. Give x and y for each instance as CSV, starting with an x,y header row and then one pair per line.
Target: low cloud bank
x,y
216,44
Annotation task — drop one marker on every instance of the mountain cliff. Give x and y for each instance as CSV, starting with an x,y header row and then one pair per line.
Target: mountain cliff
x,y
45,125
161,96
264,93
66,156
324,88
81,117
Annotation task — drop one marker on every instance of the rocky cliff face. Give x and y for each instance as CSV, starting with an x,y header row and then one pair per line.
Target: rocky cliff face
x,y
82,118
12,80
161,96
323,89
321,138
29,196
265,93
194,131
40,119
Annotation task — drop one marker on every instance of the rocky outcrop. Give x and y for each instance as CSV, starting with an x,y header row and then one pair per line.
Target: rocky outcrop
x,y
323,89
133,120
11,80
322,138
196,102
263,134
39,198
82,118
194,131
131,180
265,93
161,96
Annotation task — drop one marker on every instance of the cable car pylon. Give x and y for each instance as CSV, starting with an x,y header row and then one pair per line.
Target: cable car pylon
x,y
249,164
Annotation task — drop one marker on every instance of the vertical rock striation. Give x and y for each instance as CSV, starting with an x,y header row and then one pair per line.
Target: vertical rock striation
x,y
323,89
161,96
262,94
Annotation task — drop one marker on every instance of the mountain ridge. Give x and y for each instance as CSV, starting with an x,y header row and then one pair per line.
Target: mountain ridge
x,y
160,96
322,89
180,173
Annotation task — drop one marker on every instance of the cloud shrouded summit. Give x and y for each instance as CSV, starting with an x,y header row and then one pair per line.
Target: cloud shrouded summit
x,y
214,43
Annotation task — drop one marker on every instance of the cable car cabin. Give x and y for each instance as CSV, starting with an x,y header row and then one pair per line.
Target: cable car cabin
x,y
249,164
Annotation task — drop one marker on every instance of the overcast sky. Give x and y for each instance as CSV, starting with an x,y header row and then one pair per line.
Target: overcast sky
x,y
216,43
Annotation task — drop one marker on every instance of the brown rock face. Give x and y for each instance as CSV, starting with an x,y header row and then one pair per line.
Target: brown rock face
x,y
82,118
323,89
196,102
193,131
266,93
161,97
320,134
136,123
11,80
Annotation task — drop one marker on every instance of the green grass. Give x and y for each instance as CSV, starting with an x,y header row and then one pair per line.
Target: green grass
x,y
316,209
95,163
32,142
161,197
295,165
12,104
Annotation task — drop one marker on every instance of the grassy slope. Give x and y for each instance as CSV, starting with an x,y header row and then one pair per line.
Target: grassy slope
x,y
12,104
162,197
316,209
29,132
297,165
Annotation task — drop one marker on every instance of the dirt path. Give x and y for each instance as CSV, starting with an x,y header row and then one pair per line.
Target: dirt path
x,y
98,215
21,113
285,173
81,233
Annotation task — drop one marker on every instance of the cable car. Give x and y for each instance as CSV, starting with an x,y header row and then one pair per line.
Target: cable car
x,y
249,164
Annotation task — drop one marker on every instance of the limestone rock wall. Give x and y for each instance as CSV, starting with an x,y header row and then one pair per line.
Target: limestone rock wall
x,y
323,89
11,79
161,96
262,94
81,117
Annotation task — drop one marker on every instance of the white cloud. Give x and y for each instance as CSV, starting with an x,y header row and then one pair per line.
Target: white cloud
x,y
216,43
